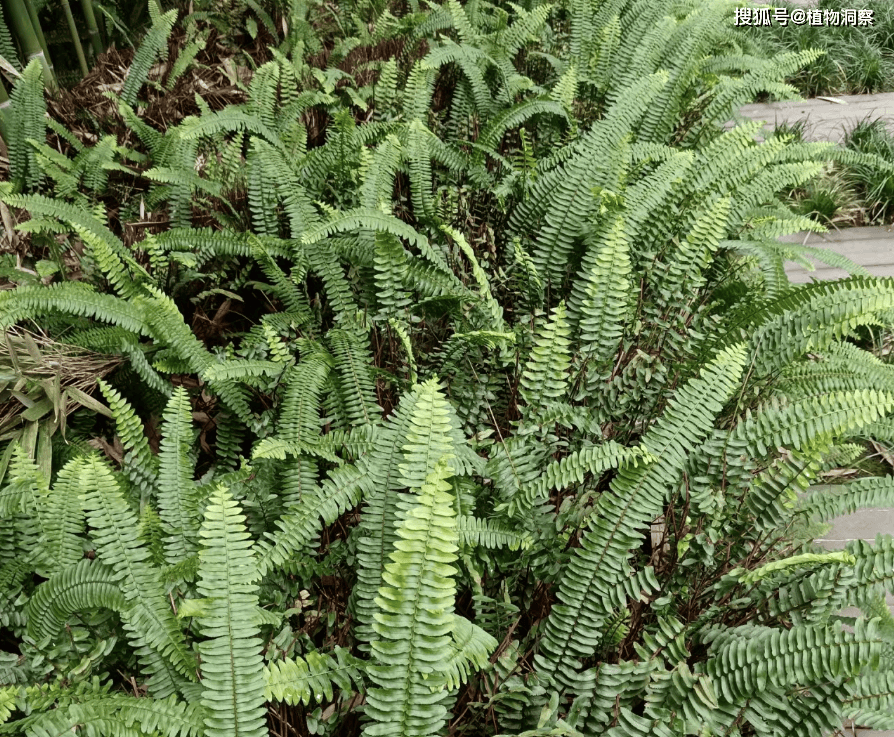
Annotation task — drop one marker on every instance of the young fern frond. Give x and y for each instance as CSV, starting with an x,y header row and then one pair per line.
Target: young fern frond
x,y
177,504
382,482
415,616
232,668
472,648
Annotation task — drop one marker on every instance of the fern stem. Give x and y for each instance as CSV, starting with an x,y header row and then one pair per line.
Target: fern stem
x,y
21,23
93,29
75,39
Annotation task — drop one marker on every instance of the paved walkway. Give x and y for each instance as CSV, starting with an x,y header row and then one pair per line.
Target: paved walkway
x,y
872,248
826,120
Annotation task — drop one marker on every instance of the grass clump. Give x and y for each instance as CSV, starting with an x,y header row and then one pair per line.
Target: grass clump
x,y
856,60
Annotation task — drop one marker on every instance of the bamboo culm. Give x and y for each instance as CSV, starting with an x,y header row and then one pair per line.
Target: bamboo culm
x,y
38,31
76,40
92,28
24,30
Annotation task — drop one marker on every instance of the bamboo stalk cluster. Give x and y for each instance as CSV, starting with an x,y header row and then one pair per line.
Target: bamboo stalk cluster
x,y
25,27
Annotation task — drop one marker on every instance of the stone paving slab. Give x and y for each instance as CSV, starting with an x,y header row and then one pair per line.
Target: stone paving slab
x,y
864,524
871,247
826,120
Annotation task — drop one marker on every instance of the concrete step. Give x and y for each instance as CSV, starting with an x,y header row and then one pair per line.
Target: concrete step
x,y
870,247
864,524
825,120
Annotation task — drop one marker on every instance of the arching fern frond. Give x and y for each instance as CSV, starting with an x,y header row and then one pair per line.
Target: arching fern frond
x,y
155,42
82,587
636,497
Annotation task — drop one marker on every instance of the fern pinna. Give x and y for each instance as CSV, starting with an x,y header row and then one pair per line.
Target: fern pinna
x,y
463,393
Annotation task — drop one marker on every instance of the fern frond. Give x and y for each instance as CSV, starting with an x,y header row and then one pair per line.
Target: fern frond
x,y
28,108
811,317
365,218
140,464
336,494
600,301
415,617
153,44
471,649
232,667
72,298
177,505
489,533
744,666
311,678
635,498
545,376
150,621
84,586
356,388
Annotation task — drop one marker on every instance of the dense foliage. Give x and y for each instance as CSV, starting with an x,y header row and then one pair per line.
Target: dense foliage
x,y
458,388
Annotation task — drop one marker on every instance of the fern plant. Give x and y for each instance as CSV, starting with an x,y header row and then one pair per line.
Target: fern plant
x,y
483,402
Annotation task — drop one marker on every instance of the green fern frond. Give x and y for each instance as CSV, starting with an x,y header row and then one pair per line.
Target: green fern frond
x,y
51,522
810,318
153,44
240,369
600,301
140,464
415,617
311,678
150,621
355,385
382,479
81,587
829,502
489,533
743,666
636,497
545,377
336,494
592,460
232,667
72,298
177,505
471,649
364,218
28,111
